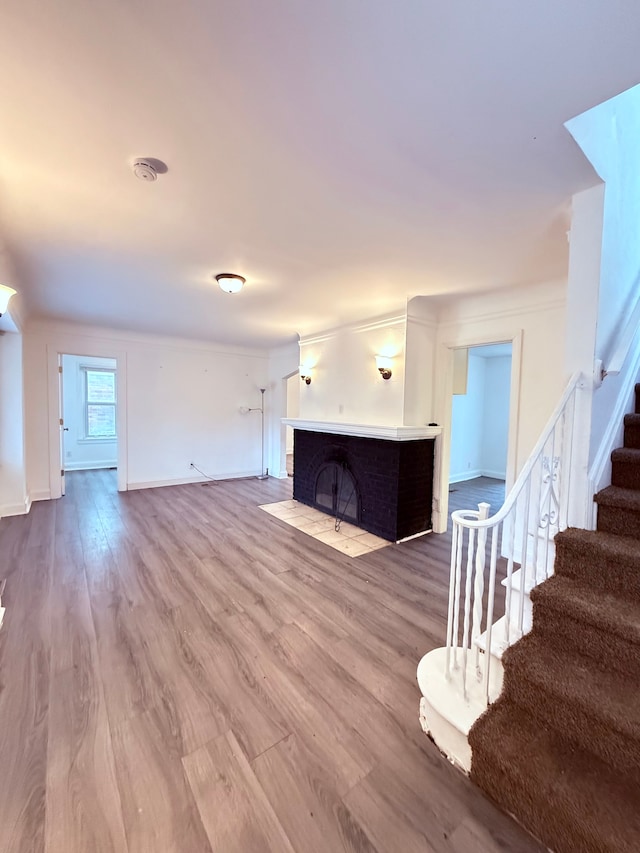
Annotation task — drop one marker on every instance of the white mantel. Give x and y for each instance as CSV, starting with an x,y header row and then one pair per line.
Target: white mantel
x,y
392,433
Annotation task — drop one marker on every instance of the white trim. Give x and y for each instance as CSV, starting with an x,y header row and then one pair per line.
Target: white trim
x,y
109,339
381,323
190,481
89,466
466,475
392,433
8,510
368,325
494,475
40,495
547,305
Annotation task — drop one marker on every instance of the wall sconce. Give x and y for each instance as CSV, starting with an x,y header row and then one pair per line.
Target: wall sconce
x,y
6,293
305,374
384,365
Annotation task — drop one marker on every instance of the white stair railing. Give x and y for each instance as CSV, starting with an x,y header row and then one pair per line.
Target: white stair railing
x,y
519,542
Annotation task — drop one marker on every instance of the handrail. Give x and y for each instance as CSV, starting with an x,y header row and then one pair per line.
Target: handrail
x,y
528,466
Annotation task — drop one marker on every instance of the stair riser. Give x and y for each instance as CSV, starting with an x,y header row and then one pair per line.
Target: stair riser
x,y
604,648
632,437
625,474
597,571
574,723
555,831
622,522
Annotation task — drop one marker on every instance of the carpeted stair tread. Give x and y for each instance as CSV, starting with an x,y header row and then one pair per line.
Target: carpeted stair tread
x,y
630,455
619,511
620,498
596,708
567,798
632,430
625,467
605,561
593,622
605,611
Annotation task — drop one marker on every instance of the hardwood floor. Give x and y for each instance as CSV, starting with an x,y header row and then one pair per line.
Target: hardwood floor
x,y
181,672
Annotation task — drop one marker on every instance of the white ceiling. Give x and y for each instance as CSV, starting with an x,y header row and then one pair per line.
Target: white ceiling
x,y
342,155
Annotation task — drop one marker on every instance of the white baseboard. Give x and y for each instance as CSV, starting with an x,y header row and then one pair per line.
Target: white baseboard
x,y
89,466
495,475
7,510
466,475
185,481
281,476
41,495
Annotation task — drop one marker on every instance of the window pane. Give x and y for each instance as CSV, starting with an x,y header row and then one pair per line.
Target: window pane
x,y
101,421
101,386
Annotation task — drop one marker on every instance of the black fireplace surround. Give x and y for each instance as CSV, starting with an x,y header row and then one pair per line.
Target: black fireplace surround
x,y
393,480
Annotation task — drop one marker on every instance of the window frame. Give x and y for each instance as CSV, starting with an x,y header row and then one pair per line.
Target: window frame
x,y
85,369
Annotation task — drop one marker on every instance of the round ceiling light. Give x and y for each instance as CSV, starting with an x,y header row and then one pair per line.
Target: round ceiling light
x,y
230,282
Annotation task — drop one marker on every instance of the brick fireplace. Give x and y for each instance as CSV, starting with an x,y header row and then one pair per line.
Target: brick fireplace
x,y
378,478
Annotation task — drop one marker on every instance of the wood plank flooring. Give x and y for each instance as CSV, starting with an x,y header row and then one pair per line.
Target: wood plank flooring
x,y
182,673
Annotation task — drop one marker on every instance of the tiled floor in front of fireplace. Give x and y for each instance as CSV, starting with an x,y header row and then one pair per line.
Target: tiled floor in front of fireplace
x,y
349,539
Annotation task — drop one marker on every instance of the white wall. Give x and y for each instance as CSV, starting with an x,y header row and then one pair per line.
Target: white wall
x,y
419,361
467,422
346,386
283,363
480,421
13,497
604,285
495,417
608,134
81,453
533,317
293,406
181,404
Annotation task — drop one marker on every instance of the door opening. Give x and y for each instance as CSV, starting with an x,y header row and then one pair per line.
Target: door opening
x,y
480,418
88,415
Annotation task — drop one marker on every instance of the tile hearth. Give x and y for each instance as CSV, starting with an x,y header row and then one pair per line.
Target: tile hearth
x,y
349,540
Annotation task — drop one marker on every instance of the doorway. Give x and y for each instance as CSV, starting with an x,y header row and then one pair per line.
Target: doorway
x,y
480,418
87,415
89,436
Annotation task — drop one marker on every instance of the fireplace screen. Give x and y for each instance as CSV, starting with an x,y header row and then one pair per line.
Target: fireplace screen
x,y
337,492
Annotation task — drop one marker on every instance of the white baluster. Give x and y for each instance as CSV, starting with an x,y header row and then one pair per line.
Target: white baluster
x,y
467,609
478,591
456,609
490,602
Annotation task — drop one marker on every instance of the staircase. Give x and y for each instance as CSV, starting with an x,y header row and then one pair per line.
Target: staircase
x,y
560,749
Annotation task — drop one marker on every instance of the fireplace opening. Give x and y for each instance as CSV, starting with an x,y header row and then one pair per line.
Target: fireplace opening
x,y
337,492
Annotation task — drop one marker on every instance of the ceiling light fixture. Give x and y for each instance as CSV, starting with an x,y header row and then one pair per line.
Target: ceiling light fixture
x,y
6,293
230,282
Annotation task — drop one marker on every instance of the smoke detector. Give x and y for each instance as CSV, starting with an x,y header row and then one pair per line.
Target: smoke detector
x,y
145,170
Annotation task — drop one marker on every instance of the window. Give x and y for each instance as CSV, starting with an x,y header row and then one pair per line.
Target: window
x,y
100,403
